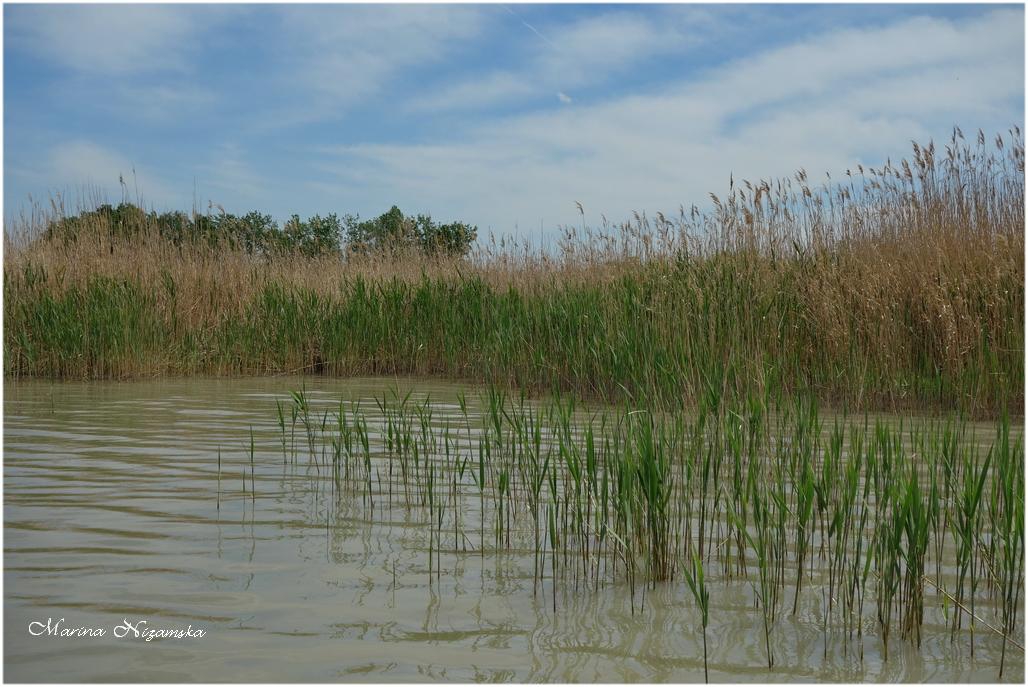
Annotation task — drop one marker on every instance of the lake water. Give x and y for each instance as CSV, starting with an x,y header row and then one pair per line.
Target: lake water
x,y
115,511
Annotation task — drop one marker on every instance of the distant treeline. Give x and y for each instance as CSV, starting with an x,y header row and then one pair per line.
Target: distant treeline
x,y
258,233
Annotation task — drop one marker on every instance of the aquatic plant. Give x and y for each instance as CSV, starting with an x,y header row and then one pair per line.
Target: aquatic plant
x,y
622,496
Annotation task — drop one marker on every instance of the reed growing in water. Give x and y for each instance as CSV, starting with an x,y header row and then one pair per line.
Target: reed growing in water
x,y
869,521
898,287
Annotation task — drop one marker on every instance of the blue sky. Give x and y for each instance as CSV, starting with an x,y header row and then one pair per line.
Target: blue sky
x,y
499,115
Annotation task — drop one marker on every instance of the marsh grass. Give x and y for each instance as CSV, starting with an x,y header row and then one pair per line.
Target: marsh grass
x,y
892,288
856,509
698,587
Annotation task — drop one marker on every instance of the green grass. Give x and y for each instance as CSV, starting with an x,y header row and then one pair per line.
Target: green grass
x,y
875,515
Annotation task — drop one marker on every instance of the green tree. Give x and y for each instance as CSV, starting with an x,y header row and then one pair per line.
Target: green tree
x,y
393,231
317,236
253,232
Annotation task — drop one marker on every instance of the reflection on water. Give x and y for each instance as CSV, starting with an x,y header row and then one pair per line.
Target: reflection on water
x,y
115,509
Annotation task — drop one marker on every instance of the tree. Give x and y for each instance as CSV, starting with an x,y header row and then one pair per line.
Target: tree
x,y
452,239
257,233
317,236
392,231
253,232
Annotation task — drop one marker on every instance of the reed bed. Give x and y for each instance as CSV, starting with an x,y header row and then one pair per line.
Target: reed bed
x,y
866,522
900,287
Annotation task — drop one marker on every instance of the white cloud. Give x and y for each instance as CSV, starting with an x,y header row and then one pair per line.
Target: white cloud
x,y
841,58
229,172
167,103
586,52
333,57
820,104
106,39
610,41
496,87
564,97
82,163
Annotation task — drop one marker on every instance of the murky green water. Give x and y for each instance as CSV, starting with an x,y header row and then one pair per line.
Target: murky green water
x,y
114,513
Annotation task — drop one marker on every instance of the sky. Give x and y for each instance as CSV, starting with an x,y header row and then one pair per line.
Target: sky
x,y
503,116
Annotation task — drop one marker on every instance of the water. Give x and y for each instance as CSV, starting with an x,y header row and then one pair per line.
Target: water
x,y
114,512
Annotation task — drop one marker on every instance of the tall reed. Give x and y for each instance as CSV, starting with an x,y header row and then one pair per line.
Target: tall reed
x,y
897,287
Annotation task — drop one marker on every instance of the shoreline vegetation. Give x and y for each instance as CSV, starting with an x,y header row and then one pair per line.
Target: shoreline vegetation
x,y
899,288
